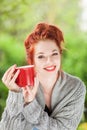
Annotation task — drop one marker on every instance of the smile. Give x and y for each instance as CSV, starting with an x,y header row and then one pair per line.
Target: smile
x,y
50,68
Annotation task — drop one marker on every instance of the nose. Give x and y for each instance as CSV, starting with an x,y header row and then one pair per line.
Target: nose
x,y
49,60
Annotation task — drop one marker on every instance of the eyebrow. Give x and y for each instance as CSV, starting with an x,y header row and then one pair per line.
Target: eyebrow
x,y
40,53
54,50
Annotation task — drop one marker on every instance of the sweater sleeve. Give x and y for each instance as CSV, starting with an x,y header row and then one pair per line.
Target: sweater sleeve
x,y
12,117
67,118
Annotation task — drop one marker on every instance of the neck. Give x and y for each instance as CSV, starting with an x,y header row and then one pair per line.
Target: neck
x,y
48,82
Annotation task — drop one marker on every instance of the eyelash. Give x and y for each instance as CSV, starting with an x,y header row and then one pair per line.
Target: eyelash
x,y
54,54
40,57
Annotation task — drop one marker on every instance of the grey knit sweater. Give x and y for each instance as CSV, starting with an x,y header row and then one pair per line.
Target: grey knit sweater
x,y
67,104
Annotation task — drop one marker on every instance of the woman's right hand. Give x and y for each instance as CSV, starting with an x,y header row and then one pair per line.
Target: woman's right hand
x,y
9,79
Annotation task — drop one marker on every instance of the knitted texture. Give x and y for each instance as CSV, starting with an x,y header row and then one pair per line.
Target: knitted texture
x,y
67,105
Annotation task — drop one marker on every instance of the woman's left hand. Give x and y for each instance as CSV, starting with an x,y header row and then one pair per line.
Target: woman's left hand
x,y
29,92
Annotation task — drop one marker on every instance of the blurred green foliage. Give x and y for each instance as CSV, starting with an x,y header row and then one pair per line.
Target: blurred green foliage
x,y
82,126
17,19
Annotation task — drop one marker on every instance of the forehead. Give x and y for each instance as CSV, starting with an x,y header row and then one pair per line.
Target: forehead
x,y
45,46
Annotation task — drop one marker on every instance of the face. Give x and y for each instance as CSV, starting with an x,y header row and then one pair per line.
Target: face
x,y
47,58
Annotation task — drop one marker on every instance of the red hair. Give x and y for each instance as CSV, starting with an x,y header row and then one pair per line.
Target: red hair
x,y
42,31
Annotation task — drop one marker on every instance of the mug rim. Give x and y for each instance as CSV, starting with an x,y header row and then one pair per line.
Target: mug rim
x,y
26,66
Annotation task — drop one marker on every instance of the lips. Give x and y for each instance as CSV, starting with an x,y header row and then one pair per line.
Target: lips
x,y
50,68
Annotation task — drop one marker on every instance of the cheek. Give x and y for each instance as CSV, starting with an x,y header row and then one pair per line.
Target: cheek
x,y
58,63
58,60
37,65
38,62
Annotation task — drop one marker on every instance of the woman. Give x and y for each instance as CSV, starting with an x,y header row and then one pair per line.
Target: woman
x,y
56,101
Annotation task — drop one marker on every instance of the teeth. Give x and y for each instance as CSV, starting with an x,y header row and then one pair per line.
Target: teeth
x,y
50,68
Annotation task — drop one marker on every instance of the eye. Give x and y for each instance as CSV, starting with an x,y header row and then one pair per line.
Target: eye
x,y
40,57
54,54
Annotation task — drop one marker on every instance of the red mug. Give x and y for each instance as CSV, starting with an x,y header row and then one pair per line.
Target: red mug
x,y
26,76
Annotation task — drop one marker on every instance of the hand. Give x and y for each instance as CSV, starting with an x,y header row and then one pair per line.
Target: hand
x,y
9,79
29,92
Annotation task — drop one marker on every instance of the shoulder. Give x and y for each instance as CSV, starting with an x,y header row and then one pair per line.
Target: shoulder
x,y
73,82
70,77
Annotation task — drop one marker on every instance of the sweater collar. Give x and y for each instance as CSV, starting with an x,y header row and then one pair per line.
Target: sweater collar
x,y
40,95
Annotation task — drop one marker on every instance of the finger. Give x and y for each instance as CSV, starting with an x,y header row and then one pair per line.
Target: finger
x,y
15,76
26,93
16,89
24,90
33,89
11,73
28,89
7,73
